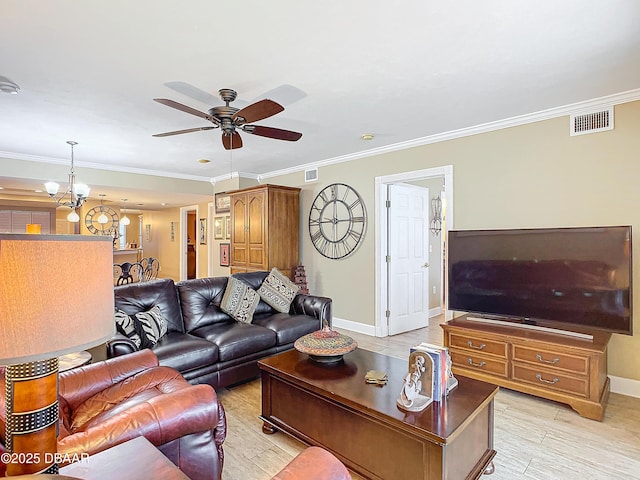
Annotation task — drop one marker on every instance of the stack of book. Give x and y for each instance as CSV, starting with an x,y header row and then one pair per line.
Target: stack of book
x,y
443,379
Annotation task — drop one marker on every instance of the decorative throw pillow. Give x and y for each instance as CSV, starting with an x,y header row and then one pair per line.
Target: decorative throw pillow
x,y
143,328
278,291
124,325
239,300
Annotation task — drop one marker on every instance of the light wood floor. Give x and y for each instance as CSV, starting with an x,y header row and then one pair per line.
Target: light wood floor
x,y
535,438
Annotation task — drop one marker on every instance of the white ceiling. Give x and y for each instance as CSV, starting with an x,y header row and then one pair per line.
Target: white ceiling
x,y
88,71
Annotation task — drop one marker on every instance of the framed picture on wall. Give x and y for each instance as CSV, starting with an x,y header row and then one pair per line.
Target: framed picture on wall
x,y
227,231
224,254
203,231
223,202
218,228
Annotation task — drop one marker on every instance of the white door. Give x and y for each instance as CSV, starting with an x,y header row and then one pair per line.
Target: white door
x,y
408,267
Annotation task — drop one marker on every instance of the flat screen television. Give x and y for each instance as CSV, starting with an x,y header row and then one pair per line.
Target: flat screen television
x,y
566,278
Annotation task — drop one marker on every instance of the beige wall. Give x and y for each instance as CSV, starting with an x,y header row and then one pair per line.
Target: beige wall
x,y
533,175
168,252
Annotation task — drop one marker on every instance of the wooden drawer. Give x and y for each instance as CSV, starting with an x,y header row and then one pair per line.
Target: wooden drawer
x,y
480,363
555,360
478,345
550,379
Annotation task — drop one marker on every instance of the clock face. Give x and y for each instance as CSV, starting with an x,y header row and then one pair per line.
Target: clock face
x,y
94,226
337,221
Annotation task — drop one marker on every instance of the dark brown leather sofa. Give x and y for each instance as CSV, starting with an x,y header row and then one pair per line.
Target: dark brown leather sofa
x,y
204,343
113,401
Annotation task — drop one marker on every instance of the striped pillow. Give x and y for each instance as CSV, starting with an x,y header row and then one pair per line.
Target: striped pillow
x,y
143,328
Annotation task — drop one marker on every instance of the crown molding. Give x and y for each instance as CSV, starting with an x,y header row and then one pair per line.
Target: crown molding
x,y
101,166
579,107
574,108
232,175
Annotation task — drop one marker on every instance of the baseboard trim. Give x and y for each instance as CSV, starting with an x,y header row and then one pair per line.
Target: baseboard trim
x,y
434,312
354,326
625,386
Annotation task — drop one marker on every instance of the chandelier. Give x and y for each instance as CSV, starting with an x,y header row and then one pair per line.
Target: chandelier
x,y
75,194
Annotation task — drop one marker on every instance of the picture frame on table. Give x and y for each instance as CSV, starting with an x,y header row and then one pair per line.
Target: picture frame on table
x,y
203,231
225,254
218,228
223,202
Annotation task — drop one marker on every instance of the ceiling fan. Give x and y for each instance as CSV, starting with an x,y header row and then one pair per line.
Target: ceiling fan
x,y
229,119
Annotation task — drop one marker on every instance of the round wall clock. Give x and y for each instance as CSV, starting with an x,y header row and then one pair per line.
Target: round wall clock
x,y
337,221
97,228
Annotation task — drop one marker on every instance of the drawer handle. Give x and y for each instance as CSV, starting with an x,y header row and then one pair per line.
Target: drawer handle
x,y
477,347
480,365
550,382
552,362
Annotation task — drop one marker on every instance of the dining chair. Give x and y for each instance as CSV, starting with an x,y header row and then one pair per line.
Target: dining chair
x,y
127,272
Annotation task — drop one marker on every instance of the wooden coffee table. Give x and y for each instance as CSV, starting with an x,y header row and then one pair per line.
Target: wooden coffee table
x,y
331,406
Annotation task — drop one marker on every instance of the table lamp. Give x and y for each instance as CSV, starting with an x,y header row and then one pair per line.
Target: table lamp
x,y
56,297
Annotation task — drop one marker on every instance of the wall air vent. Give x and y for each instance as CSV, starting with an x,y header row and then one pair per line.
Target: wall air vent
x,y
592,122
311,175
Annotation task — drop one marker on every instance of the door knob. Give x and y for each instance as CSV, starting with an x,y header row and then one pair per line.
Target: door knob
x,y
426,265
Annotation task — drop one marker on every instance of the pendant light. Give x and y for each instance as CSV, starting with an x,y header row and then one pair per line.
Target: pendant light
x,y
102,218
124,220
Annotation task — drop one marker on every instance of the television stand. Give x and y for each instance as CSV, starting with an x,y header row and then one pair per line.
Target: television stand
x,y
546,364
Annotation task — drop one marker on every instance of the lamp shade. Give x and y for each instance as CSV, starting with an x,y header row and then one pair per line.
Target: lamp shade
x,y
56,295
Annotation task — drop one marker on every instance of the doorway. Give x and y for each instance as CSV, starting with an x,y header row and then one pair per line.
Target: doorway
x,y
407,257
383,281
188,242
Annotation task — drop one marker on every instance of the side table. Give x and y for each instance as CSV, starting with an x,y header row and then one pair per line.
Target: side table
x,y
74,360
131,460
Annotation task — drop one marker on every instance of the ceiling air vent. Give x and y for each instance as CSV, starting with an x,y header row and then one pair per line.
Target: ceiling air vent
x,y
592,122
311,175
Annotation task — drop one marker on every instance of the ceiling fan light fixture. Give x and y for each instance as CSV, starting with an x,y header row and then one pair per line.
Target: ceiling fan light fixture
x,y
230,119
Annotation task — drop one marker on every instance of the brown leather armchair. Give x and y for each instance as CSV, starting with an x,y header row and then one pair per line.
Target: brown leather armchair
x,y
107,403
314,463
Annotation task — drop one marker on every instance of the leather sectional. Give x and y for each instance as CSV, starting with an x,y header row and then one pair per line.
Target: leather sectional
x,y
204,343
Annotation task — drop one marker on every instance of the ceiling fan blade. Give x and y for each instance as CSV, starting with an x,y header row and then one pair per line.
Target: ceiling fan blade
x,y
178,132
258,111
271,132
183,108
193,92
231,141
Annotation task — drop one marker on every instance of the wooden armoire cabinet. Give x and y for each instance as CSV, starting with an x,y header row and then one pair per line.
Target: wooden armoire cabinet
x,y
265,229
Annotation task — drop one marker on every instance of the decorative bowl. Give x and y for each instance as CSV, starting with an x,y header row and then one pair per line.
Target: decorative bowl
x,y
325,346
